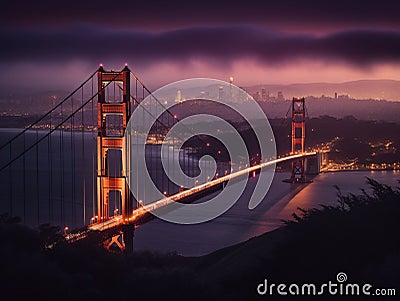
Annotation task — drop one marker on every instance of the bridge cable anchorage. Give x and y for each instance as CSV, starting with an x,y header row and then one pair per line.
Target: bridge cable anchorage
x,y
56,127
48,113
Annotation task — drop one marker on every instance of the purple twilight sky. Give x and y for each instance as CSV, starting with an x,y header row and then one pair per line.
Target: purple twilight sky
x,y
55,45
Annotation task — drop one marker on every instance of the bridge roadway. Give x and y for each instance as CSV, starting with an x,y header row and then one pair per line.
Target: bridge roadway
x,y
117,220
137,213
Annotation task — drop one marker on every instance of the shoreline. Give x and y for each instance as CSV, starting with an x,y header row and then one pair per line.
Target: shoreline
x,y
361,170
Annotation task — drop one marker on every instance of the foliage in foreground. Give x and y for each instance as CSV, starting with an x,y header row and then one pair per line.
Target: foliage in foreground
x,y
359,236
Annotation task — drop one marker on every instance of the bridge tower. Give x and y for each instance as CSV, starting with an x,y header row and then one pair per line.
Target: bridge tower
x,y
114,110
298,138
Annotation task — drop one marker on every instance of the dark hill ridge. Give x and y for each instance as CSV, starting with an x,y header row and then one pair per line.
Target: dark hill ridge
x,y
360,89
316,107
361,109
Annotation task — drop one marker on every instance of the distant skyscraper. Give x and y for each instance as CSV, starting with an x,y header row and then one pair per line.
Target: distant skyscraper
x,y
280,96
178,97
263,94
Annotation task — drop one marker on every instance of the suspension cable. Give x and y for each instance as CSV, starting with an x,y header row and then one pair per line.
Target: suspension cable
x,y
59,124
48,113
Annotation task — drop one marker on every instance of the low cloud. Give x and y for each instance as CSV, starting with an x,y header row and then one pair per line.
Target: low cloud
x,y
220,45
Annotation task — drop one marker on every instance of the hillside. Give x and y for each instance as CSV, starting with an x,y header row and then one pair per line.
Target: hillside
x,y
360,109
361,89
357,237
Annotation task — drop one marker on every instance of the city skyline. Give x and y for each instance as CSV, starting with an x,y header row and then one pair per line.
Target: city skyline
x,y
271,43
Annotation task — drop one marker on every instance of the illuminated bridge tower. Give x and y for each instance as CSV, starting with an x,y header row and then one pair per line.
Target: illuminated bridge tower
x,y
298,137
113,114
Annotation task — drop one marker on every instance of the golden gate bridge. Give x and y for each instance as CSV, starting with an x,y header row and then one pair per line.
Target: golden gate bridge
x,y
70,166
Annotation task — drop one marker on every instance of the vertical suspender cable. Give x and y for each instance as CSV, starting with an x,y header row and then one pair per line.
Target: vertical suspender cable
x,y
144,182
11,183
62,169
136,155
154,151
83,163
24,179
49,171
37,180
170,183
72,147
137,149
